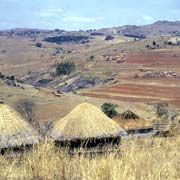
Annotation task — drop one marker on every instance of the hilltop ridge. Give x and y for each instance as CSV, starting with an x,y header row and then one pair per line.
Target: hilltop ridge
x,y
162,27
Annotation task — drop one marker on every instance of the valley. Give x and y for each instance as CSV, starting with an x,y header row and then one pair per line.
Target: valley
x,y
135,73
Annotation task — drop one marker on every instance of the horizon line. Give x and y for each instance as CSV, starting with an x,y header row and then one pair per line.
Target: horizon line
x,y
44,29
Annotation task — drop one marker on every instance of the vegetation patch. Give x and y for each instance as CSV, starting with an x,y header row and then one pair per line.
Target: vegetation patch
x,y
67,39
109,109
64,68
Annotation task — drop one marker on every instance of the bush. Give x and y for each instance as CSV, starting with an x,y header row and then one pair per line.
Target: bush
x,y
91,57
109,109
154,43
65,68
109,37
135,35
12,78
39,45
2,76
162,110
67,39
27,109
97,34
3,51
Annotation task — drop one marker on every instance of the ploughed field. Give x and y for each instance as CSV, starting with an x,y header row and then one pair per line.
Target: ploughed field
x,y
142,89
137,93
161,59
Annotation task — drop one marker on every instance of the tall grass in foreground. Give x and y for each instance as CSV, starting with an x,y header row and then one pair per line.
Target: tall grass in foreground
x,y
139,159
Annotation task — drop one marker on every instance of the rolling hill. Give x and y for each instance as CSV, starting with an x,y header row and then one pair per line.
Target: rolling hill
x,y
136,65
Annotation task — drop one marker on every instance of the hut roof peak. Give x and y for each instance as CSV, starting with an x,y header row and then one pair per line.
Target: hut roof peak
x,y
129,115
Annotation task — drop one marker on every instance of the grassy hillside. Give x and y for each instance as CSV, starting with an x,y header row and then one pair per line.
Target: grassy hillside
x,y
120,62
49,107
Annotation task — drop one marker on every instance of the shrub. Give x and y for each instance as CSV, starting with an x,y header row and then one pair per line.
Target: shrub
x,y
92,57
2,76
3,51
97,34
27,108
39,45
109,37
109,109
135,35
65,68
12,78
154,43
162,110
66,38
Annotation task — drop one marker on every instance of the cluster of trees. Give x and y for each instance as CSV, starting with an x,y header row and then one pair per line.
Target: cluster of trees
x,y
109,109
97,34
66,38
138,36
2,76
65,68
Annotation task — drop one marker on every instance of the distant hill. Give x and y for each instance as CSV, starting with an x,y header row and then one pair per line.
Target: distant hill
x,y
28,32
109,63
155,29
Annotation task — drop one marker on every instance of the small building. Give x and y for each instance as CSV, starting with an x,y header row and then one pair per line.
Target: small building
x,y
133,124
174,41
15,132
86,126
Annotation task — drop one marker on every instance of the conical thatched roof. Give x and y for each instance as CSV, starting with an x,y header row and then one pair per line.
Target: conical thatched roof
x,y
84,122
129,120
14,131
129,115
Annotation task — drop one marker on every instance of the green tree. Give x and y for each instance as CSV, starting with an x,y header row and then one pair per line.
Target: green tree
x,y
109,109
65,68
162,110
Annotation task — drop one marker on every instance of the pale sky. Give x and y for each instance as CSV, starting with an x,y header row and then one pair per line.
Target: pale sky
x,y
84,14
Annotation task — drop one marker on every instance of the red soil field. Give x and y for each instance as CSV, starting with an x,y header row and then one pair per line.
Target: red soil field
x,y
113,97
158,59
143,90
123,92
160,80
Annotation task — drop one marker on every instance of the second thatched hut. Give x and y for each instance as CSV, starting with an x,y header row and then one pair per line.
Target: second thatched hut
x,y
132,123
86,126
15,132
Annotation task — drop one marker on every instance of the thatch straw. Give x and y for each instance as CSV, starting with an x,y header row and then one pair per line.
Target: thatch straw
x,y
84,122
129,115
15,131
129,120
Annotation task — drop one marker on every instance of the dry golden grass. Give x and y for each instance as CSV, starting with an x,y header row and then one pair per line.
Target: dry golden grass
x,y
139,159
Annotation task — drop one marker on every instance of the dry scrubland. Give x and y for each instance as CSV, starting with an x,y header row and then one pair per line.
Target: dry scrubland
x,y
136,159
139,159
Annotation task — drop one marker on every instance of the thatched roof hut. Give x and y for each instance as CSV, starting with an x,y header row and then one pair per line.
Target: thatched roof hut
x,y
83,123
129,120
14,130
